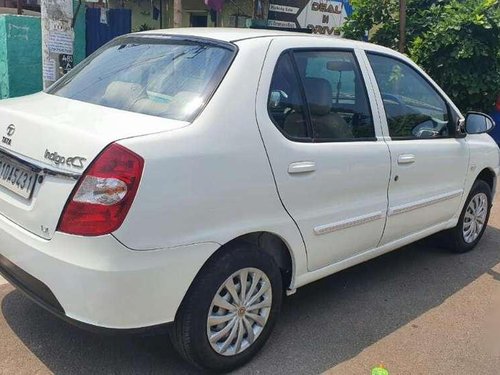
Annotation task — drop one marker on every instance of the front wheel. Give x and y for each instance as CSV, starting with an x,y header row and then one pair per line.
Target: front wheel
x,y
230,309
473,219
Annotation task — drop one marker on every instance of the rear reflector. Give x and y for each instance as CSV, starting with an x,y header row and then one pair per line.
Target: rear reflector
x,y
104,194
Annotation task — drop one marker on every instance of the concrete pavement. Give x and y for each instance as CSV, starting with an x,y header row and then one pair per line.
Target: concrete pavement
x,y
419,310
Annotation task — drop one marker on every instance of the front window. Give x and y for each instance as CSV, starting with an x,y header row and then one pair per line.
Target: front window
x,y
414,109
159,76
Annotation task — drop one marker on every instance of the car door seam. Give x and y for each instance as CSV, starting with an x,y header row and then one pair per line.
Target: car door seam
x,y
376,90
267,153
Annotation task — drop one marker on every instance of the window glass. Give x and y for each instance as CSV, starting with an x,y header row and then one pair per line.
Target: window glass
x,y
413,107
336,95
161,77
286,106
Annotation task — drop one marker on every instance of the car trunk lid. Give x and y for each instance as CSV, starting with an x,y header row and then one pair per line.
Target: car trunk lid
x,y
53,139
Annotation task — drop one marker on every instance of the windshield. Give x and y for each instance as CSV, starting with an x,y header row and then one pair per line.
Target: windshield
x,y
163,76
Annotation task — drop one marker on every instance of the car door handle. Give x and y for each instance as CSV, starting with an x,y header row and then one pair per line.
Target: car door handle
x,y
406,159
302,167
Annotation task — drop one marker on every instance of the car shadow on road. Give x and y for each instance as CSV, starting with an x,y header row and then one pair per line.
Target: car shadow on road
x,y
323,324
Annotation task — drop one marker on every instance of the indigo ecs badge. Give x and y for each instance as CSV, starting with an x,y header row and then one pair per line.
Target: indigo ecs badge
x,y
70,161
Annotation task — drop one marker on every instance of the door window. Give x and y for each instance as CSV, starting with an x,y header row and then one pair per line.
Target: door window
x,y
286,106
413,108
336,96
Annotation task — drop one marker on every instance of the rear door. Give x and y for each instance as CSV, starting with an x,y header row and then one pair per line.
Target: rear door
x,y
429,163
324,145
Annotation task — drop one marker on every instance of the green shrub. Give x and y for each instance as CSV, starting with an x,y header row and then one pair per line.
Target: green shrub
x,y
456,41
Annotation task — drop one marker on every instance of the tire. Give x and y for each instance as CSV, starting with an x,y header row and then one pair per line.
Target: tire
x,y
456,239
191,328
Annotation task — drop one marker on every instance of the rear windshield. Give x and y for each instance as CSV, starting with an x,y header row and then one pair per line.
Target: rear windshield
x,y
163,76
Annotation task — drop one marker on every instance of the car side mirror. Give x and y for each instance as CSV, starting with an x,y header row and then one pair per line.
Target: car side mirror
x,y
478,123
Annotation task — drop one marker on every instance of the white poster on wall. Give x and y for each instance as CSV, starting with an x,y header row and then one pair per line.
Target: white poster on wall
x,y
49,70
57,37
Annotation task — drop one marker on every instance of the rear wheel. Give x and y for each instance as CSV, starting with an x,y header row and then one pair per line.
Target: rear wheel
x,y
230,309
473,219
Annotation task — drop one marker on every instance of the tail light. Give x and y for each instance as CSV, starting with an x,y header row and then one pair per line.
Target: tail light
x,y
101,200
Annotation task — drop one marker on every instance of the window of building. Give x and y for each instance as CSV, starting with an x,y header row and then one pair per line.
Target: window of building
x,y
238,20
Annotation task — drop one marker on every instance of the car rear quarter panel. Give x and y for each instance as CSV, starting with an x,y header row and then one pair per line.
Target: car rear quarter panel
x,y
211,181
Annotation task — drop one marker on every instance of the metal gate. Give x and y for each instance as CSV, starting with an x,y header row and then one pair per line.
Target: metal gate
x,y
106,24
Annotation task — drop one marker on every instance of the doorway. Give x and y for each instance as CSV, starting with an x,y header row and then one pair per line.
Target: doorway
x,y
198,20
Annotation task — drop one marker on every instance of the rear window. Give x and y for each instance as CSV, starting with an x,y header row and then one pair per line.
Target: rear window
x,y
162,76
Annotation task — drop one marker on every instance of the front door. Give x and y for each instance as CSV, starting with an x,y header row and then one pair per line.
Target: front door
x,y
330,166
429,163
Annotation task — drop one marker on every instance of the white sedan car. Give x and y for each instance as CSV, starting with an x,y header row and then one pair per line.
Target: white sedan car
x,y
195,177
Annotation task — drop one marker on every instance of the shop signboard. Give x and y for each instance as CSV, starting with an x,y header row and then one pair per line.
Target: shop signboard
x,y
321,16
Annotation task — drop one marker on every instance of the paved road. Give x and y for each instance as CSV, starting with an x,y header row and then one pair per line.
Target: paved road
x,y
420,310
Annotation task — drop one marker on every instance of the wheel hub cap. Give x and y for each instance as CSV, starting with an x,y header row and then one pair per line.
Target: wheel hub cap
x,y
475,217
239,311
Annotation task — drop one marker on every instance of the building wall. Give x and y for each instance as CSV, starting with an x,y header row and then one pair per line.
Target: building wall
x,y
4,68
21,53
194,7
80,30
21,39
241,7
142,12
230,10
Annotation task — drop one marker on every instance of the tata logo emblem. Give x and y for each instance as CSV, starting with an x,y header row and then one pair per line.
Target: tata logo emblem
x,y
11,129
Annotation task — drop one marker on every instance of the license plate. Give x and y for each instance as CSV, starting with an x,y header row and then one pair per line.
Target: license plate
x,y
16,177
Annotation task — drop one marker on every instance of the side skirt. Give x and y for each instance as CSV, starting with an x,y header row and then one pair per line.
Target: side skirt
x,y
310,277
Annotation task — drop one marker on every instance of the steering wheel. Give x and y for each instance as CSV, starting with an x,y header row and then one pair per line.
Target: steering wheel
x,y
431,127
393,98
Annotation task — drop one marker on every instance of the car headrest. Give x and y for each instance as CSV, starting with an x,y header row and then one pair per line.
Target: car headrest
x,y
120,94
180,106
319,95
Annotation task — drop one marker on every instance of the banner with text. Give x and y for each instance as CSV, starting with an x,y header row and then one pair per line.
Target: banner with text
x,y
321,16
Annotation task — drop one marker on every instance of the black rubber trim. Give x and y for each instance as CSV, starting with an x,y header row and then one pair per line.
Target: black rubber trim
x,y
33,287
40,293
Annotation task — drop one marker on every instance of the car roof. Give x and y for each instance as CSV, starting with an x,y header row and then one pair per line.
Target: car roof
x,y
232,35
225,34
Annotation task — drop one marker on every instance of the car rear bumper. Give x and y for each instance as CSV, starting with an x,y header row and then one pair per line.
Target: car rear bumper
x,y
97,282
